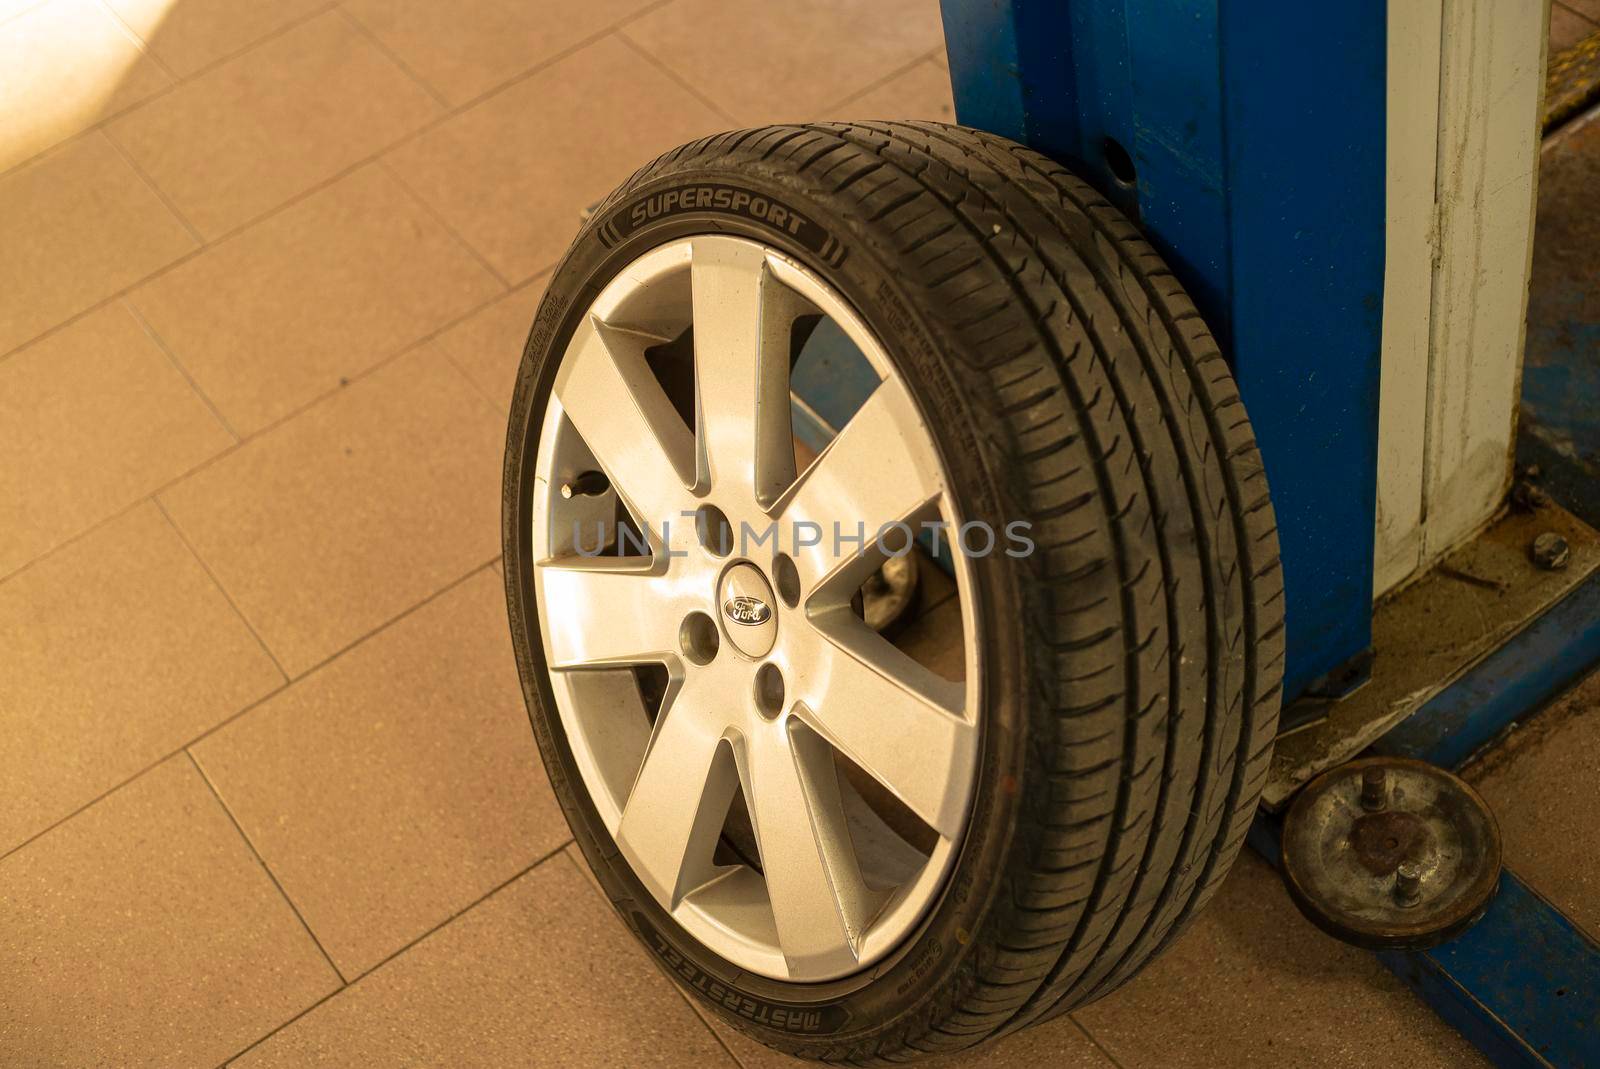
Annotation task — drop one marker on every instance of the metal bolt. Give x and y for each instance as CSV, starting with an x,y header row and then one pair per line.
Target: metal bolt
x,y
1529,496
1408,883
1374,789
588,484
1550,551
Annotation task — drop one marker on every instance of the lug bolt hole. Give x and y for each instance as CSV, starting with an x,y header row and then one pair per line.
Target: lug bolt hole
x,y
716,533
698,637
787,578
769,691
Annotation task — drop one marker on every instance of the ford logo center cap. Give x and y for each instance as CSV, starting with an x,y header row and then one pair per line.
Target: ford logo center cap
x,y
749,611
743,609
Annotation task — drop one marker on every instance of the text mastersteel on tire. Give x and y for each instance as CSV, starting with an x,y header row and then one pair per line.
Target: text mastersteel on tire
x,y
851,847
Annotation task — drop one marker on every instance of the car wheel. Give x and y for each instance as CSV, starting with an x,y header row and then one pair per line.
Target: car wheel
x,y
846,847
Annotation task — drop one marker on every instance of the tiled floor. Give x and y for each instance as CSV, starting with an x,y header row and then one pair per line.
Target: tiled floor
x,y
1571,21
270,794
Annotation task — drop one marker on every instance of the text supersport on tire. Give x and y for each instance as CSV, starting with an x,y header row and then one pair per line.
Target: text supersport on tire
x,y
857,844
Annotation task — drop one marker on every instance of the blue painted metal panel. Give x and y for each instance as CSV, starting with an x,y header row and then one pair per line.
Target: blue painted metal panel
x,y
833,379
1260,178
1535,666
1523,984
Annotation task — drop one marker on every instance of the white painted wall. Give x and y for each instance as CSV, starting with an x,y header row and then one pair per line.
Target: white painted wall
x,y
1466,82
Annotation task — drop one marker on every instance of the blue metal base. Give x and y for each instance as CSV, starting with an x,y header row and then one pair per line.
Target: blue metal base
x,y
1550,655
1523,984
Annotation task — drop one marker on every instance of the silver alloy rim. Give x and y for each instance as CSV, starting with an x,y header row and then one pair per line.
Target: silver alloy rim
x,y
789,688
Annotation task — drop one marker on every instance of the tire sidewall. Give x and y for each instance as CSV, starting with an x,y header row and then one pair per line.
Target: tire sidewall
x,y
669,202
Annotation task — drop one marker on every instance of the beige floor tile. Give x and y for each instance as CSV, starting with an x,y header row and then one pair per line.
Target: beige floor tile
x,y
465,47
1567,28
76,226
1589,9
396,786
10,9
542,974
67,64
353,511
1253,984
796,60
933,637
190,34
144,932
923,92
253,132
503,172
277,315
92,418
487,347
934,584
1541,785
114,652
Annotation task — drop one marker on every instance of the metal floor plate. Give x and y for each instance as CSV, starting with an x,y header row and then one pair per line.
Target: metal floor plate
x,y
1432,631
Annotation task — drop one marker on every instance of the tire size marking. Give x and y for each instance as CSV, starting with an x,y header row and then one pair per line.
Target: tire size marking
x,y
803,1020
727,200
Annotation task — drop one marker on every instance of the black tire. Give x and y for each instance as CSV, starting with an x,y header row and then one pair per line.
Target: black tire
x,y
1132,664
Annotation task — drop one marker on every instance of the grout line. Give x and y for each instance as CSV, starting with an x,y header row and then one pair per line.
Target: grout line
x,y
433,213
405,68
343,983
198,251
542,65
161,195
100,125
1574,11
1093,1042
681,82
293,24
474,904
333,391
881,82
26,9
248,626
953,595
113,116
161,343
497,406
114,788
705,1021
310,403
482,394
431,124
257,703
701,1014
318,187
139,42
